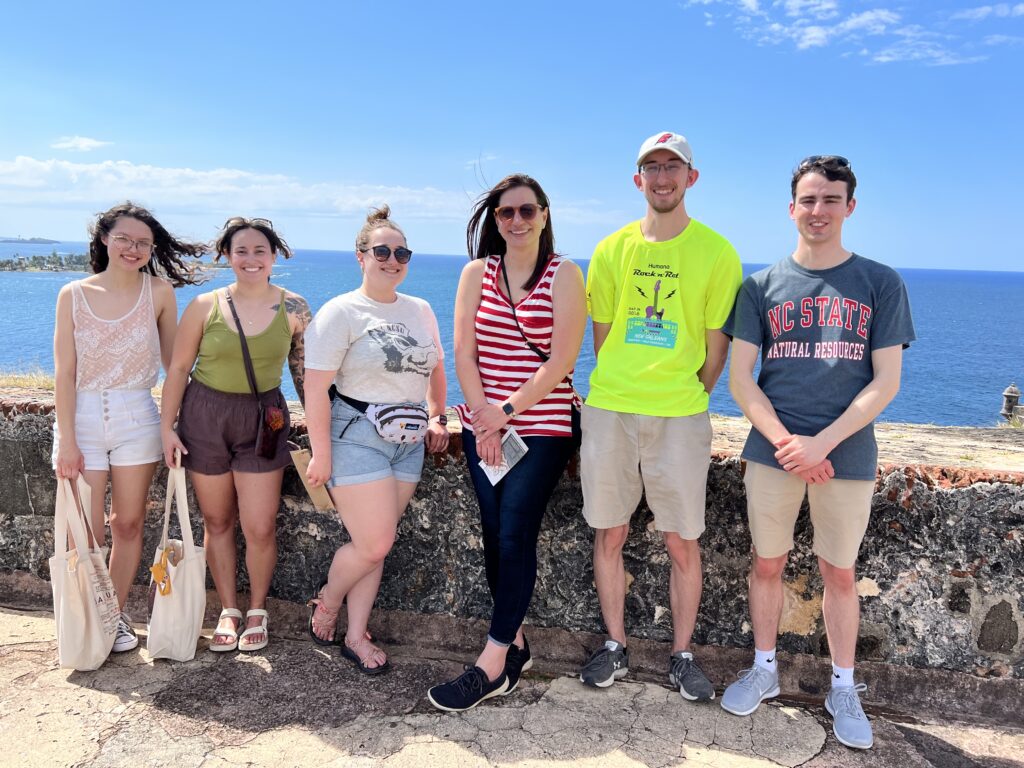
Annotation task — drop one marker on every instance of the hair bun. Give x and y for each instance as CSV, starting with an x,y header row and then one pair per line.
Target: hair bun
x,y
379,214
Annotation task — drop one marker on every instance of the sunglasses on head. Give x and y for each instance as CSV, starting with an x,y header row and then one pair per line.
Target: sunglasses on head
x,y
236,221
383,252
836,160
527,212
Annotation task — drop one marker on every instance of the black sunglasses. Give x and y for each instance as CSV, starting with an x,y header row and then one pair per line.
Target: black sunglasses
x,y
836,160
383,252
527,212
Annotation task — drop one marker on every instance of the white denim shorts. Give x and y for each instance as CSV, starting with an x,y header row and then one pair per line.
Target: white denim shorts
x,y
115,427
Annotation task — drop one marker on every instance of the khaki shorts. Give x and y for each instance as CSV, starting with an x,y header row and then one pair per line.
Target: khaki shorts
x,y
839,513
625,454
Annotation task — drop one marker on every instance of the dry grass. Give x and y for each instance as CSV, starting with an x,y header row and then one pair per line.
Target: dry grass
x,y
33,379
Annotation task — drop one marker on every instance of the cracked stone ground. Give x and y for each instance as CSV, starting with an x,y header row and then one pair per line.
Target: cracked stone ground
x,y
294,704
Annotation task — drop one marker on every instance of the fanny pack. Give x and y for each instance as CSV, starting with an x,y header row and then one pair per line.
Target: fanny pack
x,y
394,422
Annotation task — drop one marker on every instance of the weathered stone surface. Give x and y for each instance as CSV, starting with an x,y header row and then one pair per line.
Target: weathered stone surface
x,y
999,633
943,547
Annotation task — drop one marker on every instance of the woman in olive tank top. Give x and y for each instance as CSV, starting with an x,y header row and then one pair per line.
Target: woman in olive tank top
x,y
217,417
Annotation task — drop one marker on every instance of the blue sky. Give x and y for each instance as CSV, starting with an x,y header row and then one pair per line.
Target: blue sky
x,y
308,115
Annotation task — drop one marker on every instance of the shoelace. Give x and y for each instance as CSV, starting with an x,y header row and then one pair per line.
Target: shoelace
x,y
598,659
748,676
470,682
679,667
848,703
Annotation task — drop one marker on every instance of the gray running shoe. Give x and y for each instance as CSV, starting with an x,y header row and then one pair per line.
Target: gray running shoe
x,y
690,679
849,723
754,686
606,666
125,639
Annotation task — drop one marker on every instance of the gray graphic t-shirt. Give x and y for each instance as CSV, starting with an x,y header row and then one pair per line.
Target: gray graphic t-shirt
x,y
816,330
383,353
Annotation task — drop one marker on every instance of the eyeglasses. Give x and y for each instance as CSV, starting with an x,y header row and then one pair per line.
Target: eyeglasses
x,y
236,221
124,243
527,212
672,168
383,252
836,160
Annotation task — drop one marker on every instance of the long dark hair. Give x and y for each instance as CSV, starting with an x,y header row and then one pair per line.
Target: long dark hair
x,y
166,258
483,238
234,225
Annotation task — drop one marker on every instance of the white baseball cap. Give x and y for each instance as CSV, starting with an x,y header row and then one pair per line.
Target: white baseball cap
x,y
673,142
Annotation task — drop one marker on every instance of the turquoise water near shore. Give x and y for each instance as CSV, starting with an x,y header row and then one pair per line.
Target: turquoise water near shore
x,y
970,340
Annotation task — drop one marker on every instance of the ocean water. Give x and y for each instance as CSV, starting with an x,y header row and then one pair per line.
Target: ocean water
x,y
970,343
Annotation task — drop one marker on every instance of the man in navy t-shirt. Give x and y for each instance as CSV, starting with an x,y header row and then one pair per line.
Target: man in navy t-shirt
x,y
830,327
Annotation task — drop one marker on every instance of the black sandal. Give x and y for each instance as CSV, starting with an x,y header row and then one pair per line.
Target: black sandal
x,y
315,603
360,663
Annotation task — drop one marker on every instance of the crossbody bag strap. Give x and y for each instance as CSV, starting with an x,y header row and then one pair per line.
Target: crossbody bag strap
x,y
544,358
249,372
512,304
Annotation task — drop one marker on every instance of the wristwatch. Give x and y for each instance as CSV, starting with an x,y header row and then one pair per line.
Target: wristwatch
x,y
442,419
507,409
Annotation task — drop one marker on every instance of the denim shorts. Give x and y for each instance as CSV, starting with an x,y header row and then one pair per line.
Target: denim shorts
x,y
119,427
360,455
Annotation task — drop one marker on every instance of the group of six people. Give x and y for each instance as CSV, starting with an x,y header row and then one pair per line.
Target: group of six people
x,y
665,295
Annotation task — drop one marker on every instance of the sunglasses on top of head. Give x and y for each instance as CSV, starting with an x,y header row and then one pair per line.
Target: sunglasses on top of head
x,y
235,221
527,212
821,160
383,252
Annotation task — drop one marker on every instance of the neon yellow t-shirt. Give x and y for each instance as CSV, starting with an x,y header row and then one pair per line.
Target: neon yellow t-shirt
x,y
659,298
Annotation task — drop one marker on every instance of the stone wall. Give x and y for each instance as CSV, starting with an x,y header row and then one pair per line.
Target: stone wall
x,y
940,571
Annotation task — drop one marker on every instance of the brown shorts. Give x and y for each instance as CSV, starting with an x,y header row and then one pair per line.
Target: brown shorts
x,y
219,431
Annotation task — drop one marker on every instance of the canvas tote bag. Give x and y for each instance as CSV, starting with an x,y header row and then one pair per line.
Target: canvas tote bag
x,y
177,590
85,607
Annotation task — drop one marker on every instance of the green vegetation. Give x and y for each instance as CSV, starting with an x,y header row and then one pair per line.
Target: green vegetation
x,y
54,262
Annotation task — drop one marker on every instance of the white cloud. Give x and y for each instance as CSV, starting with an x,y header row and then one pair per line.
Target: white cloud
x,y
820,9
1000,10
879,35
1003,40
79,143
27,181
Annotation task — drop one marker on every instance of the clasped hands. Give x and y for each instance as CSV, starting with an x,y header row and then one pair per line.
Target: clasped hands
x,y
488,421
805,457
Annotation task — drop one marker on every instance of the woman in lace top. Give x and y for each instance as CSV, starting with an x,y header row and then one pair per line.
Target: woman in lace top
x,y
113,331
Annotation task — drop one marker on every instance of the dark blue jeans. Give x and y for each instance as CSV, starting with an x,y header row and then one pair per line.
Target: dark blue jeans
x,y
511,514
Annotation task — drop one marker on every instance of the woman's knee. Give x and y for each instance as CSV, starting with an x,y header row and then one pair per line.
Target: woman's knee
x,y
374,550
126,527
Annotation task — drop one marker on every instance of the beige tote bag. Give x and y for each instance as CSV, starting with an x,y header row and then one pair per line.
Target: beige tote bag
x,y
177,590
85,606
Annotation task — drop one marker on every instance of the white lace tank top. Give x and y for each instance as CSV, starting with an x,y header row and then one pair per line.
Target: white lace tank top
x,y
116,354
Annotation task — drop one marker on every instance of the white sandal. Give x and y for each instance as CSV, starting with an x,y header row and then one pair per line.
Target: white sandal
x,y
231,634
244,644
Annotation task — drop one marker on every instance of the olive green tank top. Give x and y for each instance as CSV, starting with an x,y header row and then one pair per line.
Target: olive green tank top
x,y
220,364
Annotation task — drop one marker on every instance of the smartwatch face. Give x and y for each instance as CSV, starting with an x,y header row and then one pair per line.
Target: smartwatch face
x,y
508,409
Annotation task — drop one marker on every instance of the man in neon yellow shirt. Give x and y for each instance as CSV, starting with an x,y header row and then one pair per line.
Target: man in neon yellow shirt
x,y
659,291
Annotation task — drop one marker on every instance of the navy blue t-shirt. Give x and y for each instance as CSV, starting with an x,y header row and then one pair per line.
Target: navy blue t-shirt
x,y
816,330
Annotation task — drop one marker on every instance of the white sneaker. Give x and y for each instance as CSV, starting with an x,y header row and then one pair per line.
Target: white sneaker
x,y
126,639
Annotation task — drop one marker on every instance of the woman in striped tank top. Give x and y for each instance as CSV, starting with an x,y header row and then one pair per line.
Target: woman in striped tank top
x,y
520,315
113,331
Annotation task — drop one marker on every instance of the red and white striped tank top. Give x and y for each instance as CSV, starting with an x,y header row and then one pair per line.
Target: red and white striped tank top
x,y
505,360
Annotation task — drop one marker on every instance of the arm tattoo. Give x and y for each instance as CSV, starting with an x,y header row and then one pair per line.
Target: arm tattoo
x,y
297,307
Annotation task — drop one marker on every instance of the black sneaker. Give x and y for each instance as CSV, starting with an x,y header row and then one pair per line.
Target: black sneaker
x,y
606,666
467,690
690,679
517,661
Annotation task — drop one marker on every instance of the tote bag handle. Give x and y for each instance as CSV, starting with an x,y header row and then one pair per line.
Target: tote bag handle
x,y
78,523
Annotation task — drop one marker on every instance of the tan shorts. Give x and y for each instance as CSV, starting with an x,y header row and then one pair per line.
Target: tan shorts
x,y
839,513
625,454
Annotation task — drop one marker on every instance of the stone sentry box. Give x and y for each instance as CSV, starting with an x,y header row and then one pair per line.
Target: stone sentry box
x,y
940,572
